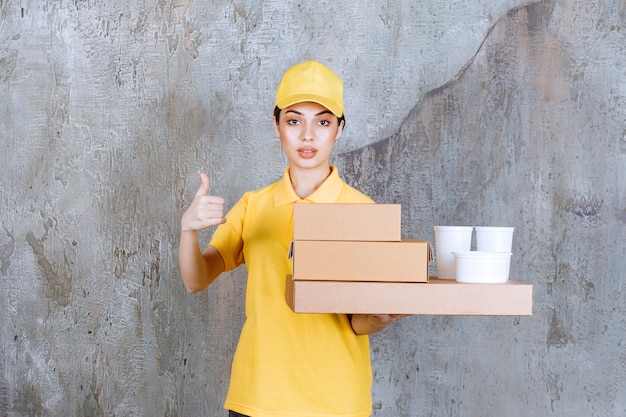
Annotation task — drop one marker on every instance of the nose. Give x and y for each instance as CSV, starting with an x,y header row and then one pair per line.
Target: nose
x,y
307,133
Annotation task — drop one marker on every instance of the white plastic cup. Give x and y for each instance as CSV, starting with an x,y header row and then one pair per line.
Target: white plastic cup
x,y
450,239
482,267
494,239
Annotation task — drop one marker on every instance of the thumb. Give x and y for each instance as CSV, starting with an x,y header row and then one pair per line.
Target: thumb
x,y
206,184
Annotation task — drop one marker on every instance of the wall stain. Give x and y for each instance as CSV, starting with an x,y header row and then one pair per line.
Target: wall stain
x,y
554,386
588,288
122,256
180,9
557,336
29,401
4,389
6,252
563,282
8,63
587,207
152,275
59,285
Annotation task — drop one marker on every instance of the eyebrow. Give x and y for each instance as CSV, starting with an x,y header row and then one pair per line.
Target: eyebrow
x,y
326,111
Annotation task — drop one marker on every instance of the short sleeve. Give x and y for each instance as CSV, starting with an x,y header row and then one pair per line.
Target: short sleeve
x,y
227,238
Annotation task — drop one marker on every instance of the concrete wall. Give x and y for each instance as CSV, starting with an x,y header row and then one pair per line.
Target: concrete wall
x,y
479,112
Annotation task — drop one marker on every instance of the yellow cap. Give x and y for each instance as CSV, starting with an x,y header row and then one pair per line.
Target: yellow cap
x,y
311,81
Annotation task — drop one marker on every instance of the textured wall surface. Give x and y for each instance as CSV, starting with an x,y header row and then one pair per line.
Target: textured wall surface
x,y
465,112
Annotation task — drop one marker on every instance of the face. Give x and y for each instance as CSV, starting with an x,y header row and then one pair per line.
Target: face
x,y
308,132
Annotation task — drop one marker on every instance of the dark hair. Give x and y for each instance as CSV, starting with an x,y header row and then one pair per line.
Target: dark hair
x,y
339,119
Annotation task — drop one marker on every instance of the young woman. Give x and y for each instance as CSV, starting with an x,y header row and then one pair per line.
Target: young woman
x,y
286,364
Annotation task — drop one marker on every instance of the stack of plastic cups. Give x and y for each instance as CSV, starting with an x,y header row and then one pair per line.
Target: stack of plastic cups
x,y
449,239
495,239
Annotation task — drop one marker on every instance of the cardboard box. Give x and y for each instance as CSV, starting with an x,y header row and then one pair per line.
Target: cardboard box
x,y
373,222
437,297
402,261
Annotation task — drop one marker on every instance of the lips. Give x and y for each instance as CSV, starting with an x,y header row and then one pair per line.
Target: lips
x,y
307,152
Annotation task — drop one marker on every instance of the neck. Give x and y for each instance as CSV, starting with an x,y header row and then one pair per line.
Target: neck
x,y
305,182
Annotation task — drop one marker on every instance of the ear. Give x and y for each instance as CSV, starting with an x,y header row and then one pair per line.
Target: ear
x,y
275,123
339,130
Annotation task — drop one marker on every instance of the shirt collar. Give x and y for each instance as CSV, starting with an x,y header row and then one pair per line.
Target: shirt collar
x,y
328,192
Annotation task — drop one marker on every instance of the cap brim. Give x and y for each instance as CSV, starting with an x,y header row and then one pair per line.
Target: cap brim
x,y
302,98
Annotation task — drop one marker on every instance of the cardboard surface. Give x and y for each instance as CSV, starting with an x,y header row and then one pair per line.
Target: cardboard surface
x,y
373,222
402,261
437,297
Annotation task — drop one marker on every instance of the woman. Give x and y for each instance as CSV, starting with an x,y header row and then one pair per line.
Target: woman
x,y
286,364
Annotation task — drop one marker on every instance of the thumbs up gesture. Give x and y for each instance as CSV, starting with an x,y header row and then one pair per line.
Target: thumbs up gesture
x,y
205,210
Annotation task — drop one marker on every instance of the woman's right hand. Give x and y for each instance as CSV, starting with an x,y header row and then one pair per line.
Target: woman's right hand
x,y
205,210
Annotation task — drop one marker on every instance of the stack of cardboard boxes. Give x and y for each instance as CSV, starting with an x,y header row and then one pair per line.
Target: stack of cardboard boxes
x,y
350,258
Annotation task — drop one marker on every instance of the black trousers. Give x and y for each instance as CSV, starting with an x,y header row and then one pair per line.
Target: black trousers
x,y
233,414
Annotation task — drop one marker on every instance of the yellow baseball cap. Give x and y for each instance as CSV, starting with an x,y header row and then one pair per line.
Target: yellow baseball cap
x,y
311,81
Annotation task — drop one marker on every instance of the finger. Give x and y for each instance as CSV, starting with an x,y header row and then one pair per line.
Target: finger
x,y
213,200
205,185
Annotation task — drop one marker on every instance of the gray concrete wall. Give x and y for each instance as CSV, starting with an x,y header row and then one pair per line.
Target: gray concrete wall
x,y
478,112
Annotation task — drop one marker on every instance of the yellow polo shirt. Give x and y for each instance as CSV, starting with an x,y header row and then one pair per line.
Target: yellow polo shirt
x,y
287,364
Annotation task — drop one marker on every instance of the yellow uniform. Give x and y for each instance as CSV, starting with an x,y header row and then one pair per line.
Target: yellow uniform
x,y
287,364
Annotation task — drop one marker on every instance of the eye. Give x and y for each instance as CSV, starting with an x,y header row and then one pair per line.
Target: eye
x,y
324,122
292,121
